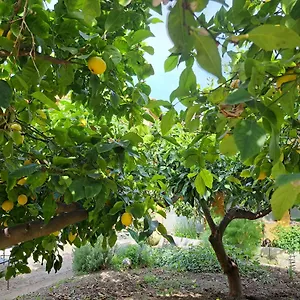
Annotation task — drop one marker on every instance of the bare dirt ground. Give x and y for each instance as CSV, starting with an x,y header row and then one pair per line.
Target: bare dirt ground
x,y
162,284
143,284
38,278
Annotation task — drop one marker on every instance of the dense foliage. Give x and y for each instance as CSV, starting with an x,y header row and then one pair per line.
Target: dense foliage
x,y
79,149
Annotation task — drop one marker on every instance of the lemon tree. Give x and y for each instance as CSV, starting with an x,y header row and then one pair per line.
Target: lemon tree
x,y
72,127
78,128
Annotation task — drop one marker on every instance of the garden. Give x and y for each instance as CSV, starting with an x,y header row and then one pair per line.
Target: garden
x,y
90,157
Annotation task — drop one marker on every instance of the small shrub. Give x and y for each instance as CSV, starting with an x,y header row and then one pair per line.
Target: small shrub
x,y
88,258
245,235
139,255
186,229
202,259
287,238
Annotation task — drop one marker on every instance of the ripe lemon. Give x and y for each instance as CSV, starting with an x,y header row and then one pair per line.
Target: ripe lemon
x,y
126,219
7,205
27,162
22,181
72,237
16,127
97,65
262,176
22,199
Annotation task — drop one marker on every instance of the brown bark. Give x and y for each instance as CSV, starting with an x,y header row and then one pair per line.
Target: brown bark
x,y
32,230
229,267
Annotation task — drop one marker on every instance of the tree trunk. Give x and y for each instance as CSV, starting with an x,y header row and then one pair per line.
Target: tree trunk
x,y
229,267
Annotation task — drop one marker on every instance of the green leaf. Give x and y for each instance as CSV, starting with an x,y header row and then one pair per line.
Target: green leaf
x,y
134,138
6,94
113,53
162,229
140,35
284,198
207,178
63,161
17,137
200,185
208,56
115,20
49,207
217,96
25,171
137,209
77,189
187,81
274,37
10,272
278,169
249,138
171,139
191,112
37,179
179,21
171,62
92,188
228,146
287,178
112,239
118,206
274,148
44,99
167,122
6,44
239,96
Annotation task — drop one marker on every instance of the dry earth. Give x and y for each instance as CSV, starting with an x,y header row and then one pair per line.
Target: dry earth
x,y
162,284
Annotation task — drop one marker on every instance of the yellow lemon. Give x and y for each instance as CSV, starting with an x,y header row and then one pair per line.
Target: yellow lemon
x,y
22,181
7,205
56,233
97,65
72,237
22,199
262,176
27,162
16,127
126,219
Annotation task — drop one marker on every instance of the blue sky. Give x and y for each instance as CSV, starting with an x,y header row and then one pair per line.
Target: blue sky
x,y
162,84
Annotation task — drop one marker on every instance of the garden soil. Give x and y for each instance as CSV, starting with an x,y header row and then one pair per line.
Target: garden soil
x,y
161,284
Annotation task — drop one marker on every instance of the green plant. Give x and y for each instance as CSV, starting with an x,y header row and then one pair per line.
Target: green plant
x,y
201,259
287,238
140,255
245,235
88,258
186,229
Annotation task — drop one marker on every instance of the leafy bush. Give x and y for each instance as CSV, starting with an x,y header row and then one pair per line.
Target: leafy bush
x,y
88,258
139,255
288,238
202,259
245,235
186,229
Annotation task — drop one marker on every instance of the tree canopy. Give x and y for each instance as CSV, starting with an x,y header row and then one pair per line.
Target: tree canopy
x,y
79,149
